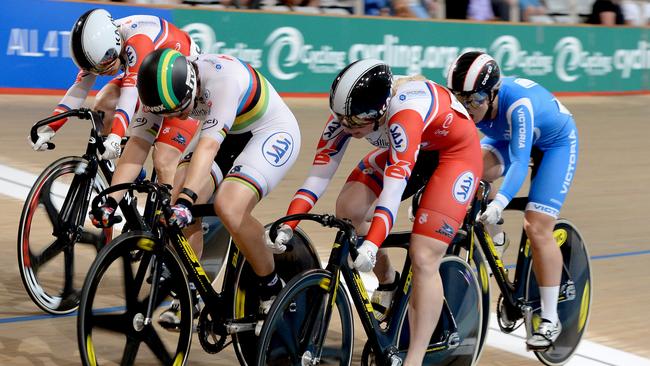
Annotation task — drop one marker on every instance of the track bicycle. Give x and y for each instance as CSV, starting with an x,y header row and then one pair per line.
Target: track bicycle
x,y
131,278
312,315
54,220
519,301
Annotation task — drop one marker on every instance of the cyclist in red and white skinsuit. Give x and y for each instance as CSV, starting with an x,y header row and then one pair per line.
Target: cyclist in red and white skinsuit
x,y
407,120
100,45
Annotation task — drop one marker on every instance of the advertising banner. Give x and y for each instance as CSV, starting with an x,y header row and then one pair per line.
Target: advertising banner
x,y
303,53
36,37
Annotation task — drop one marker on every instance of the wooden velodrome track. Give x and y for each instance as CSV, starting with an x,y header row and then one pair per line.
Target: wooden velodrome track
x,y
609,202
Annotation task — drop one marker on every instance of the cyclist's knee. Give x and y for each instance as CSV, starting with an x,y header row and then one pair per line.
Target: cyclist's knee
x,y
425,254
233,216
165,160
538,229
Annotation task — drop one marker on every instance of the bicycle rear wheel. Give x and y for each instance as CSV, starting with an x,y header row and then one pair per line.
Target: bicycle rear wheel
x,y
575,294
246,301
53,220
112,325
289,331
463,298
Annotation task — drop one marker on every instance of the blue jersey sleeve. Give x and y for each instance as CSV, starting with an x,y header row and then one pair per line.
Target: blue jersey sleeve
x,y
521,120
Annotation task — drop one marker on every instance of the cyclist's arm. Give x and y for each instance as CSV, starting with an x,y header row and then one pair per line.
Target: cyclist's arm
x,y
520,116
405,129
74,97
329,153
213,131
136,49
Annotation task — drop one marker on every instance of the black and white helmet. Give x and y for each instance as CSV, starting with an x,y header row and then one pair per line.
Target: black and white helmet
x,y
95,41
360,92
474,72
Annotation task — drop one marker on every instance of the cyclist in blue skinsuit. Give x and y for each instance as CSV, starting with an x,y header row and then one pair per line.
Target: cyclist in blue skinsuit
x,y
516,115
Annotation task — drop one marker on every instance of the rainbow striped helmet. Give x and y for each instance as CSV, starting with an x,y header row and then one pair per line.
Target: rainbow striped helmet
x,y
167,82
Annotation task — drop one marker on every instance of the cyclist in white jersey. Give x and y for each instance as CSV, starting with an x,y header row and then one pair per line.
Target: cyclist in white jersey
x,y
228,96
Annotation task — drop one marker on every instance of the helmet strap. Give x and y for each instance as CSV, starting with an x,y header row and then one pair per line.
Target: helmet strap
x,y
493,95
375,127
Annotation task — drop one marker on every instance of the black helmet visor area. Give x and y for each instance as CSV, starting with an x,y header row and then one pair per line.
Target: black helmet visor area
x,y
360,92
77,46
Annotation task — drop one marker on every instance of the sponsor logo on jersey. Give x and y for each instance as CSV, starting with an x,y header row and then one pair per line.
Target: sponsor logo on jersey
x,y
180,139
424,217
573,157
521,118
177,46
446,230
323,157
545,209
464,187
332,129
277,149
140,121
209,123
131,56
165,130
448,120
440,132
235,169
397,171
398,137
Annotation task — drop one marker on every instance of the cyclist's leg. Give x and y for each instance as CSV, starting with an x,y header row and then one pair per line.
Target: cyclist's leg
x,y
173,138
441,211
547,194
260,167
357,201
106,101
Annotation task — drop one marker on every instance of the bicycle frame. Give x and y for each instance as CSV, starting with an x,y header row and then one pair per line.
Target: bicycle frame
x,y
383,341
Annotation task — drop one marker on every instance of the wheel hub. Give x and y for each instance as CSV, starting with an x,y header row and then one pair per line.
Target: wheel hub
x,y
138,322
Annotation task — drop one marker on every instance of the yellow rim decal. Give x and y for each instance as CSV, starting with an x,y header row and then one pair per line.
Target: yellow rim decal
x,y
485,286
560,236
145,244
325,284
179,359
91,351
584,308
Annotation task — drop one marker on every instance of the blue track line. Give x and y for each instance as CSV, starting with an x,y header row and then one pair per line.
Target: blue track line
x,y
18,319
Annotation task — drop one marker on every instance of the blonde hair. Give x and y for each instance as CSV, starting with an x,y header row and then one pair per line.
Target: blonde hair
x,y
401,81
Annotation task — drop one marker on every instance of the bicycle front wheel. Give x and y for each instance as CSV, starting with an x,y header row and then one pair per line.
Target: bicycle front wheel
x,y
293,324
575,294
53,220
114,326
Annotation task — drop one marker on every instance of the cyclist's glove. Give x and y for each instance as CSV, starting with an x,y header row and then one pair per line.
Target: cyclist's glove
x,y
284,234
113,147
104,215
492,213
181,214
367,257
45,134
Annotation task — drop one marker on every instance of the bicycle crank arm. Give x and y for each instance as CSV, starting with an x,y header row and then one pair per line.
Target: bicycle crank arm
x,y
241,325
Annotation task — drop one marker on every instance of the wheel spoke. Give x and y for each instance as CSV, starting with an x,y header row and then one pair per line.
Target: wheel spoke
x,y
131,288
46,201
156,345
119,323
47,254
91,237
130,351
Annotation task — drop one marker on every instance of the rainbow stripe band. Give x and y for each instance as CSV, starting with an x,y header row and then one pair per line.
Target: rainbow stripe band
x,y
165,87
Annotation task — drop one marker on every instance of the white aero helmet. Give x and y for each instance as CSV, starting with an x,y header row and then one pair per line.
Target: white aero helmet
x,y
95,41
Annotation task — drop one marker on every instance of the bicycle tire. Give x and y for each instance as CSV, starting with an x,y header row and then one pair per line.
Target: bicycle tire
x,y
478,263
306,292
45,192
463,295
110,314
576,261
245,301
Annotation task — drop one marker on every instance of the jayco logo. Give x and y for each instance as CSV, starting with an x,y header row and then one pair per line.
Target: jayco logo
x,y
288,41
332,130
464,187
277,149
398,137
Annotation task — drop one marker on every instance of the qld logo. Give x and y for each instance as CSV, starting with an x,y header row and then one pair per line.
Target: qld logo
x,y
277,149
464,187
398,137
